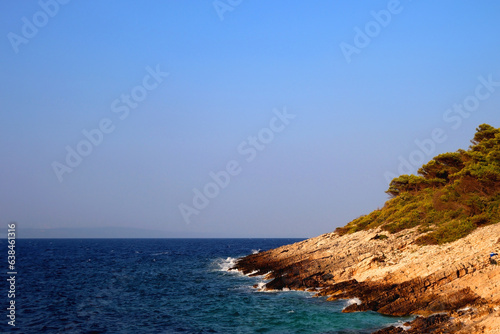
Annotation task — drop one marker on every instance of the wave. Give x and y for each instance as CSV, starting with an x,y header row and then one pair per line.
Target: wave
x,y
160,253
401,324
255,251
351,301
354,300
225,265
260,287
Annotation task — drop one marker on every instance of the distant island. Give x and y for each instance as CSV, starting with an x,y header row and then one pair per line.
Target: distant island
x,y
430,251
101,232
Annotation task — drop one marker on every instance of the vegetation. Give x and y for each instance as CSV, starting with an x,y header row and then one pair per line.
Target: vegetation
x,y
453,194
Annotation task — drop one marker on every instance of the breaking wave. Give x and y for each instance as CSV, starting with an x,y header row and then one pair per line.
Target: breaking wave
x,y
225,265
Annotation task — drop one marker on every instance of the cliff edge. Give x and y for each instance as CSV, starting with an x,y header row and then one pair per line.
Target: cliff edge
x,y
426,252
393,275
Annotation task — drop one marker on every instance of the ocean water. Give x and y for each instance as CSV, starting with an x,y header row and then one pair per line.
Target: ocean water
x,y
161,286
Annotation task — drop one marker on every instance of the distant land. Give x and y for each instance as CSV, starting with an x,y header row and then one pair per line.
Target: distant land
x,y
111,232
100,232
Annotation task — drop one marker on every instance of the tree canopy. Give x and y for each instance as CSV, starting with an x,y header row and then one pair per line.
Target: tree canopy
x,y
453,194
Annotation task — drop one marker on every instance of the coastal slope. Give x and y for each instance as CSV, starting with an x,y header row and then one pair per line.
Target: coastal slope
x,y
392,275
426,252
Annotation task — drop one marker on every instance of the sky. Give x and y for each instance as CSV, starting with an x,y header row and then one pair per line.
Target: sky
x,y
231,118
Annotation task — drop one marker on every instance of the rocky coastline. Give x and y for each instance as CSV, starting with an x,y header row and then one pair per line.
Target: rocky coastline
x,y
451,288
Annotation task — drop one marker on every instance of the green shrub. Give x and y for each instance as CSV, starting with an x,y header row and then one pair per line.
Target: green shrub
x,y
454,194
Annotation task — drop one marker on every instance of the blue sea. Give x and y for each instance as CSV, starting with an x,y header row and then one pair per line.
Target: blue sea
x,y
161,286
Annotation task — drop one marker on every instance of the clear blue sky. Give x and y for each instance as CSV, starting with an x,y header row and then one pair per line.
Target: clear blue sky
x,y
67,68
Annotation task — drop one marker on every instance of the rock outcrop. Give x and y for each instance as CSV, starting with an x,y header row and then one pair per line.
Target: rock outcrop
x,y
392,275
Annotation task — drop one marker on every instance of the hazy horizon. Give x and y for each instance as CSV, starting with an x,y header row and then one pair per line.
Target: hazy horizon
x,y
232,118
119,233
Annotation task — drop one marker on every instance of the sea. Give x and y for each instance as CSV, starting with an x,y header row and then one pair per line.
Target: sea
x,y
161,286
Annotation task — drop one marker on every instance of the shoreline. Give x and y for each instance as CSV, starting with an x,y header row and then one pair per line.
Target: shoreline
x,y
450,287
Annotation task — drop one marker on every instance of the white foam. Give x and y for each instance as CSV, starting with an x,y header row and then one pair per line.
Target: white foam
x,y
401,325
226,264
255,251
351,301
256,271
161,253
355,300
260,286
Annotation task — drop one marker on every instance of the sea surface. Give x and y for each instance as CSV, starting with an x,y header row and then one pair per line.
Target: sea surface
x,y
161,286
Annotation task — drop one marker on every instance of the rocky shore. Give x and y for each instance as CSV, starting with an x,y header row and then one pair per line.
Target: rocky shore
x,y
452,288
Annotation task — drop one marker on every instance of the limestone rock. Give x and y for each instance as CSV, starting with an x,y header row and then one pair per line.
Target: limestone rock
x,y
393,275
